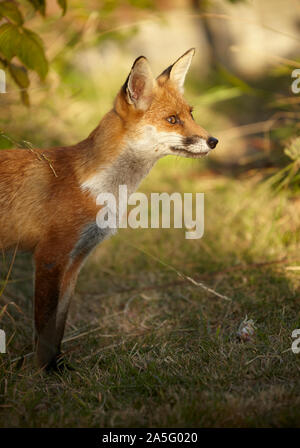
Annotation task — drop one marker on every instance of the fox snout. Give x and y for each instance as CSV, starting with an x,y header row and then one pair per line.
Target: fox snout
x,y
194,139
194,146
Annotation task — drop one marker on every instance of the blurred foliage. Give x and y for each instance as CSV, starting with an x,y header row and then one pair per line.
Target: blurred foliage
x,y
263,101
267,102
289,176
18,41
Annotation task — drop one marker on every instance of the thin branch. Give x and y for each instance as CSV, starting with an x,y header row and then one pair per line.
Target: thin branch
x,y
183,276
167,285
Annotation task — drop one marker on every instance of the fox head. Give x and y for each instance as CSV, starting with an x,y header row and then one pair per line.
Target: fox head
x,y
157,118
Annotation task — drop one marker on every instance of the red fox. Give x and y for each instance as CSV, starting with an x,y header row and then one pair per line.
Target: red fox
x,y
48,197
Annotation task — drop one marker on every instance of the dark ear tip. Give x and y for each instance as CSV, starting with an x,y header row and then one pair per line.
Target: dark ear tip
x,y
138,59
193,49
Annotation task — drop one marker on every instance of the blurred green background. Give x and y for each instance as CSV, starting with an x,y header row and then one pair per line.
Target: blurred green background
x,y
149,347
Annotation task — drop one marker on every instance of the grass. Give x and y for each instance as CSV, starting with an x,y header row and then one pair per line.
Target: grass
x,y
151,349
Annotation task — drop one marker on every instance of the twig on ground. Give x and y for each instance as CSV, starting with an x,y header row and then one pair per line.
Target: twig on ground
x,y
183,276
183,281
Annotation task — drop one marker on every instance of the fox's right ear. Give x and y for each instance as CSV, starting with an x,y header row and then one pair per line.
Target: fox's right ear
x,y
138,88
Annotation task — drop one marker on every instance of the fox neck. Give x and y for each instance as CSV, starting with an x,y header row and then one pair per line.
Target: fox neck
x,y
116,160
126,169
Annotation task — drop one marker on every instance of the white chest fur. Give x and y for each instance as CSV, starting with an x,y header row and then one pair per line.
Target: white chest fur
x,y
127,170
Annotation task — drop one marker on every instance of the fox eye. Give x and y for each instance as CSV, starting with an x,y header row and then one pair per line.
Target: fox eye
x,y
172,119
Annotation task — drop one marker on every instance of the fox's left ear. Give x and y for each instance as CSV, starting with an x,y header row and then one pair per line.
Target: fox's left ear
x,y
177,72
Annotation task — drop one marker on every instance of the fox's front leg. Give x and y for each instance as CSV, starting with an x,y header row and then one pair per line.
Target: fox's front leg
x,y
55,278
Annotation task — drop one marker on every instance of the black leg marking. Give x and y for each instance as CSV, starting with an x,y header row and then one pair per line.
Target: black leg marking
x,y
90,237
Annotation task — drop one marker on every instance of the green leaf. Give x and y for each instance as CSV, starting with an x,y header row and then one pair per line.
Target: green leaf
x,y
31,52
63,5
25,44
39,5
20,75
11,11
9,40
34,36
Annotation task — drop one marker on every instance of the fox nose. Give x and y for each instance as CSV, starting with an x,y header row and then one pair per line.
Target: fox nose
x,y
212,142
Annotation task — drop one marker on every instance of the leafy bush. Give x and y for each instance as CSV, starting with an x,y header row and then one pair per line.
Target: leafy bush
x,y
16,40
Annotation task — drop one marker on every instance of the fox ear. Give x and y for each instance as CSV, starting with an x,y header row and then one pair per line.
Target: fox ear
x,y
177,72
139,85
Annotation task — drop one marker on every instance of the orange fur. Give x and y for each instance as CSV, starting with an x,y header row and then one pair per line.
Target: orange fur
x,y
45,210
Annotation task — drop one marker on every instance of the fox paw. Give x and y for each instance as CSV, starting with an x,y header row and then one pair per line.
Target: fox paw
x,y
59,365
